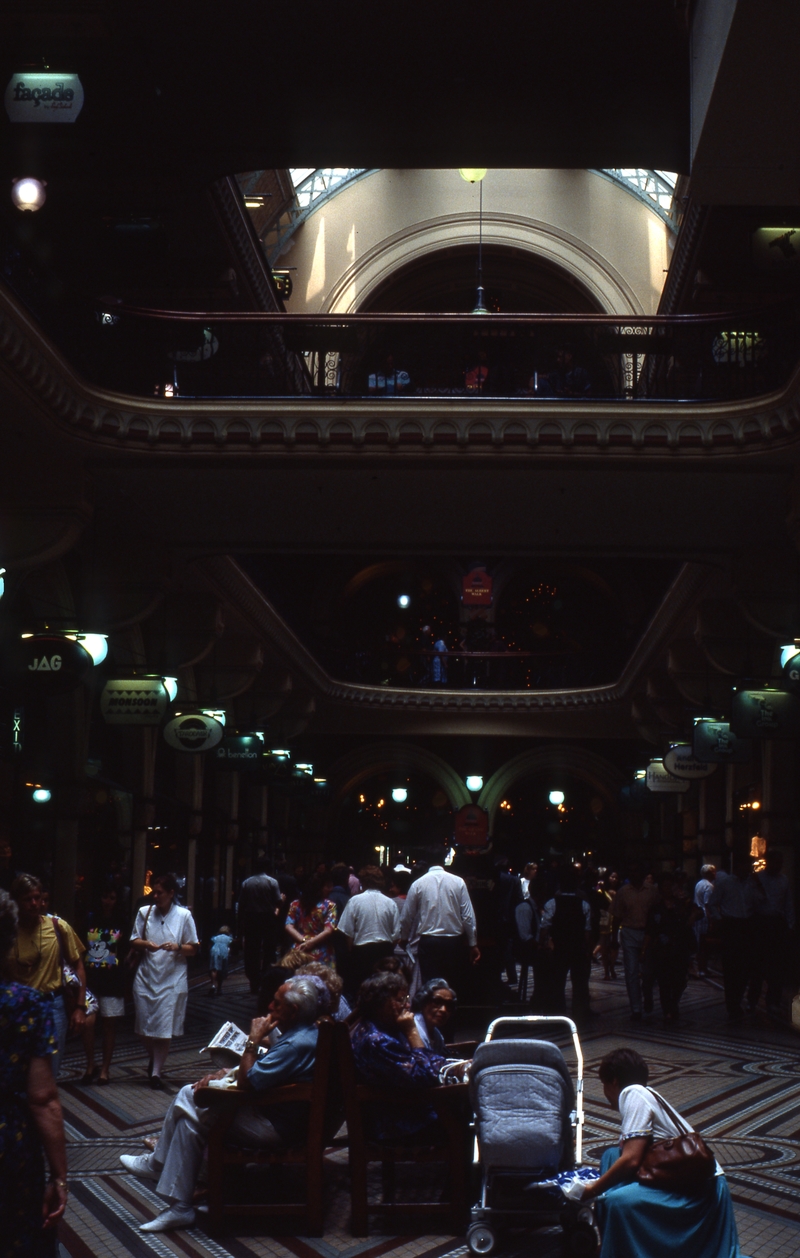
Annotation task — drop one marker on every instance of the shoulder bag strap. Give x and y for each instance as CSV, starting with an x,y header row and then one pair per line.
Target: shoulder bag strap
x,y
60,940
146,920
679,1121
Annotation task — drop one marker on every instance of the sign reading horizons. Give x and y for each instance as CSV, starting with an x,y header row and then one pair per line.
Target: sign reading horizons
x,y
193,731
659,780
40,97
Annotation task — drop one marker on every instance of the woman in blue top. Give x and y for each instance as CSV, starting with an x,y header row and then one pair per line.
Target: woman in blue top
x,y
31,1124
638,1221
389,1051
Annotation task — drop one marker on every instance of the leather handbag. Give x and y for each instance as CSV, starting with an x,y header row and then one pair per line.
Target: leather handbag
x,y
683,1163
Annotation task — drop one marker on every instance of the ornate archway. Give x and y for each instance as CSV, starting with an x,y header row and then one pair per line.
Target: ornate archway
x,y
356,766
600,773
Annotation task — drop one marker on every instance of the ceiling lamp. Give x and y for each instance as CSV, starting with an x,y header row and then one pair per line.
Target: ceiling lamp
x,y
216,714
28,193
472,176
474,782
403,600
41,795
789,652
95,643
399,794
556,797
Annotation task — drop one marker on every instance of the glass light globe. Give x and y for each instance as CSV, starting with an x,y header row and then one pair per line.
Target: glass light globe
x,y
472,176
474,782
41,795
28,194
399,794
556,797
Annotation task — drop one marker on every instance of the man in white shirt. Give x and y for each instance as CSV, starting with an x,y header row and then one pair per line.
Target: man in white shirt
x,y
371,924
439,910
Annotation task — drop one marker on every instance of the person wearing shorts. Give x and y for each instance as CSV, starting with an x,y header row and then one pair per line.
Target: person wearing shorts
x,y
106,939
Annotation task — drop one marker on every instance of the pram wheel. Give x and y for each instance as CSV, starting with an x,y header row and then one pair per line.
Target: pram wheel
x,y
481,1239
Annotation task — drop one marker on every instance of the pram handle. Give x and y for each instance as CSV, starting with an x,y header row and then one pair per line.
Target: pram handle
x,y
540,1019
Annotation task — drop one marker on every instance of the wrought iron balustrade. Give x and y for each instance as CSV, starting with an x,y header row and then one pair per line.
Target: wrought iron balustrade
x,y
391,358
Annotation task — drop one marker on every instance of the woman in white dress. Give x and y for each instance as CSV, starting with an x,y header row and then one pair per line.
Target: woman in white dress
x,y
165,935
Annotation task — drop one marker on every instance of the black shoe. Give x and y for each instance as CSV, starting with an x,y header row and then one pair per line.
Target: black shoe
x,y
157,1083
150,1068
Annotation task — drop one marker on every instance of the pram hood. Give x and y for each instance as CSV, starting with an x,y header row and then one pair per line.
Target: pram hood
x,y
523,1096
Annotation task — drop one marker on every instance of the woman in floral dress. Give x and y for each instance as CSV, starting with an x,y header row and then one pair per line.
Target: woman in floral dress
x,y
311,921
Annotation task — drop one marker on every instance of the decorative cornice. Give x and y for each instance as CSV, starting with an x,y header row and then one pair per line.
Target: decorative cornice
x,y
233,585
394,427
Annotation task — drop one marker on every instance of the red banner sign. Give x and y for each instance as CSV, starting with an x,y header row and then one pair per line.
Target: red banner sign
x,y
477,588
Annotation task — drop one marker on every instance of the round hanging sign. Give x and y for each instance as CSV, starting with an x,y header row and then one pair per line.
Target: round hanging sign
x,y
193,731
682,763
51,663
471,826
134,701
791,673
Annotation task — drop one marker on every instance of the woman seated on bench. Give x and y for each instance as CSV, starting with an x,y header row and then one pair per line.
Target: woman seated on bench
x,y
389,1052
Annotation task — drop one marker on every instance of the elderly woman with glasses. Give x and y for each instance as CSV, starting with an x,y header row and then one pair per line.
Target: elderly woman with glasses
x,y
433,1007
389,1051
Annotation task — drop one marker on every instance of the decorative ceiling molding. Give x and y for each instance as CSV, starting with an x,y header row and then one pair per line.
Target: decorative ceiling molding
x,y
395,427
232,585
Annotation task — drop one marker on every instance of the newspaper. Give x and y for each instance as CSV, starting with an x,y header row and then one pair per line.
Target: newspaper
x,y
228,1045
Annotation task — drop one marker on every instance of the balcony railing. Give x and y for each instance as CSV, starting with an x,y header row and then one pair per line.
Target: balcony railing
x,y
397,358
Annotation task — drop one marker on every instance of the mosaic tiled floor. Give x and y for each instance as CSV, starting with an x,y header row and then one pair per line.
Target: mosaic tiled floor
x,y
739,1083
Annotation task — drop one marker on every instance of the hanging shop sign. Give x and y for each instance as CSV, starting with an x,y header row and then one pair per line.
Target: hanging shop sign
x,y
193,731
476,588
660,781
134,701
765,714
471,826
790,673
44,97
682,763
715,742
241,752
51,662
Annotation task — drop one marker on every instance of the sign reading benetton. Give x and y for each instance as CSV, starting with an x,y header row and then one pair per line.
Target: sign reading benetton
x,y
44,97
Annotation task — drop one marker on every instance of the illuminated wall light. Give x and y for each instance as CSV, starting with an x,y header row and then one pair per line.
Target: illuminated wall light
x,y
788,653
305,768
472,175
28,193
95,643
280,755
171,687
640,775
41,795
403,600
320,781
556,797
216,714
399,794
2,582
474,782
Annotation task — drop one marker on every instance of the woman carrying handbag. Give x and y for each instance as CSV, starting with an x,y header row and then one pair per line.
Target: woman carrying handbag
x,y
662,1190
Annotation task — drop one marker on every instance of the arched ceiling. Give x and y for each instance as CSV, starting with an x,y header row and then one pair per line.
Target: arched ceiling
x,y
313,187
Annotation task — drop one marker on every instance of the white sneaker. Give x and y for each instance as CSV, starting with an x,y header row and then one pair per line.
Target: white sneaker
x,y
139,1165
176,1216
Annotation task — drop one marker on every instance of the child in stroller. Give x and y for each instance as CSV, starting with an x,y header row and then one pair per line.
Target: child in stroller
x,y
528,1135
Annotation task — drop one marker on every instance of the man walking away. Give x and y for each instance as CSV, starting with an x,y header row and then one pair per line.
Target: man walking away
x,y
439,910
632,903
567,931
731,906
773,922
371,925
259,903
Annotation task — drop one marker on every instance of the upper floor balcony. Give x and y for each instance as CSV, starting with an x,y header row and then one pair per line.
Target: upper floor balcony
x,y
450,358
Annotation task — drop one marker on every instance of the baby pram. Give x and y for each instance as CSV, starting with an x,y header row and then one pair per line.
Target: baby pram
x,y
528,1129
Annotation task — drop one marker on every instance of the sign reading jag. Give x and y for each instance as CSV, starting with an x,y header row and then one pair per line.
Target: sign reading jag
x,y
44,97
193,731
52,663
681,762
240,751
